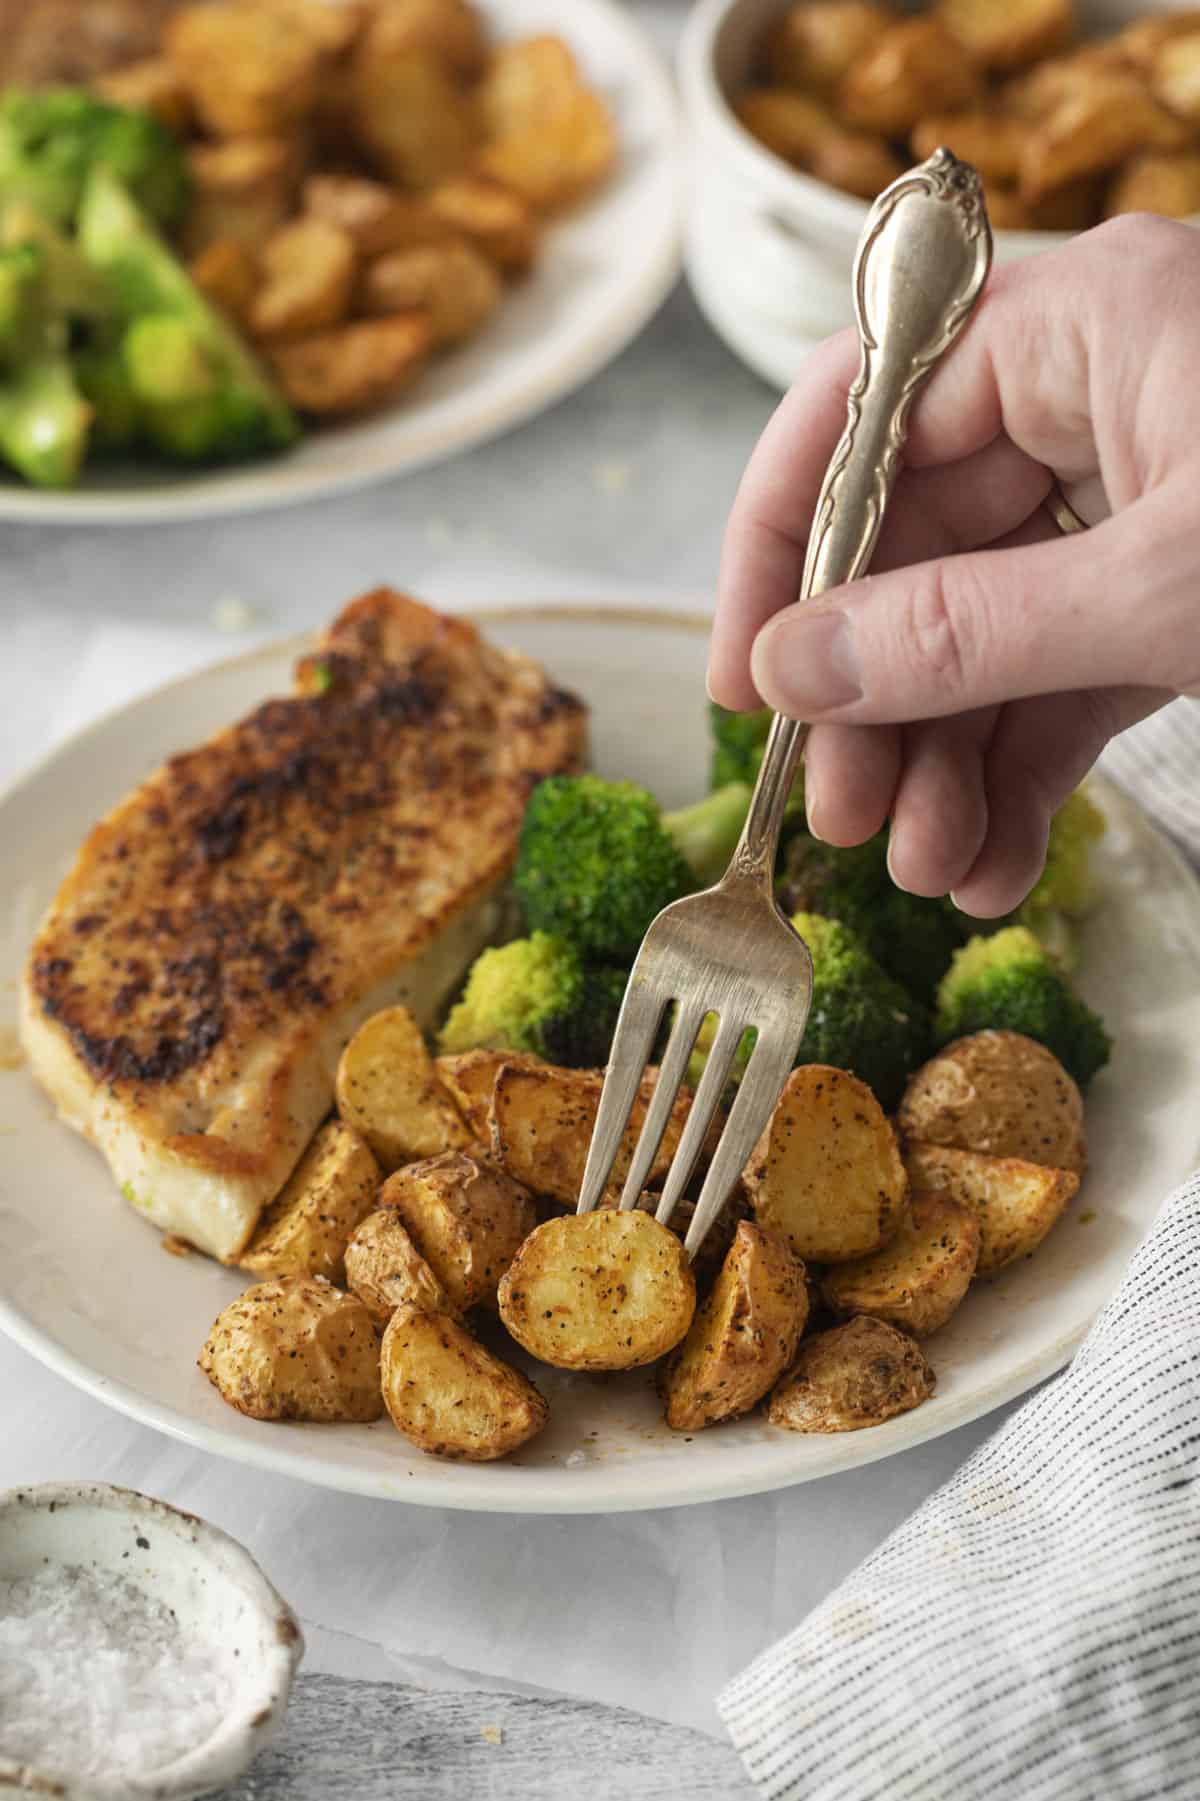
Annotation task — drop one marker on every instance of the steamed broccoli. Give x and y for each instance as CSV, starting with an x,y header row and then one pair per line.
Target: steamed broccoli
x,y
738,742
598,859
1064,892
43,420
911,937
535,995
52,138
861,1019
204,395
22,284
1010,982
104,383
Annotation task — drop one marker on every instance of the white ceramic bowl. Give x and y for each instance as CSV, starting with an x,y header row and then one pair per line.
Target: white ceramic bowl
x,y
769,250
214,1587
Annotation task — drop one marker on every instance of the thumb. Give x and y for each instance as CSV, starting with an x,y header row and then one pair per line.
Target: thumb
x,y
1108,608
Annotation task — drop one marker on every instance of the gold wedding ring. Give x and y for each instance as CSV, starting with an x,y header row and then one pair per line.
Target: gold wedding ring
x,y
1062,512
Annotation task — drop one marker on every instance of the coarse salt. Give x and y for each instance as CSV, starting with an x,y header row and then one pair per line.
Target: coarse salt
x,y
98,1680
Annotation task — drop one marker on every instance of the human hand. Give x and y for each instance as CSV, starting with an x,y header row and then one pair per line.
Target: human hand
x,y
968,684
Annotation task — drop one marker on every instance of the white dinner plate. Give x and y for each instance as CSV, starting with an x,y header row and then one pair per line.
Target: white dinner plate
x,y
604,270
85,1285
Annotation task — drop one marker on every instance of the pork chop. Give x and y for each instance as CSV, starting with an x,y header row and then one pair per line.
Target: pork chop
x,y
228,927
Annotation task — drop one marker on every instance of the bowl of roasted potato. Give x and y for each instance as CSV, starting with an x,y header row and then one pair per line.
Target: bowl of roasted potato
x,y
1073,111
305,244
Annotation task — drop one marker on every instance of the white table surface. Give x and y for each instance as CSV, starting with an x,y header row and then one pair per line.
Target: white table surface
x,y
617,493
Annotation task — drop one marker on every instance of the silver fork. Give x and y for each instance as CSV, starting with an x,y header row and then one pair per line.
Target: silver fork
x,y
921,263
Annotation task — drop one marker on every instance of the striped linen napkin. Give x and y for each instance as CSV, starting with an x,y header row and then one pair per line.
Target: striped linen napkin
x,y
1032,1632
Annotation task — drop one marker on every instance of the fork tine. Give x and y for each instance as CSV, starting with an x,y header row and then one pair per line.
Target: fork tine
x,y
632,1042
704,1105
688,1021
761,1085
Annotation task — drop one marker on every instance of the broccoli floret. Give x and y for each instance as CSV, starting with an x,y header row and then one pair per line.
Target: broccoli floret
x,y
911,937
535,995
705,1038
51,139
706,834
1064,891
207,398
738,742
43,420
116,410
595,864
22,286
69,290
1009,982
861,1019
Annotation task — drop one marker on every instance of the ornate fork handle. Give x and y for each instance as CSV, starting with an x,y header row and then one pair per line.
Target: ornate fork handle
x,y
922,260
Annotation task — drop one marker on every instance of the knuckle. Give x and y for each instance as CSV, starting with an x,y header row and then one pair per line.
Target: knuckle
x,y
942,628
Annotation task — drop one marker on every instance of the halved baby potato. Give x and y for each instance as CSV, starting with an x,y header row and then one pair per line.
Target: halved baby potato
x,y
827,1171
454,285
914,68
469,1077
353,367
449,1395
308,269
1168,185
814,45
385,1269
918,1280
387,1089
1015,1202
306,1228
599,1291
1009,34
743,1335
852,1376
541,1127
296,1348
1093,131
467,1218
998,1092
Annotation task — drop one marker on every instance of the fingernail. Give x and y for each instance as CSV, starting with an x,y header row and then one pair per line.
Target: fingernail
x,y
807,665
896,882
708,683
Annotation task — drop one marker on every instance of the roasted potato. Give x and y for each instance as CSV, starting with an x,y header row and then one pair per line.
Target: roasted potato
x,y
827,1172
913,69
815,44
242,190
856,162
792,125
1009,34
377,218
308,272
151,86
449,1395
1007,211
467,1218
248,72
527,83
852,1376
1070,208
296,1349
451,31
453,285
988,141
497,222
1169,185
305,1230
706,1264
411,120
387,1089
1015,1202
385,1269
918,1280
541,1125
554,162
599,1291
743,1336
1175,76
226,272
332,27
997,1092
1092,131
1141,40
470,1079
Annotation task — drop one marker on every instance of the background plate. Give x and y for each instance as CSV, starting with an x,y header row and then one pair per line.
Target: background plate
x,y
85,1286
603,271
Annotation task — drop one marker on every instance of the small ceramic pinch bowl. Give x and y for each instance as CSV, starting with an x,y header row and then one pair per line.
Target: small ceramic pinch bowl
x,y
218,1595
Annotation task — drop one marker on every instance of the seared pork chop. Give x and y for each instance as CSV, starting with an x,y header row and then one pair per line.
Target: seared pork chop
x,y
228,927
